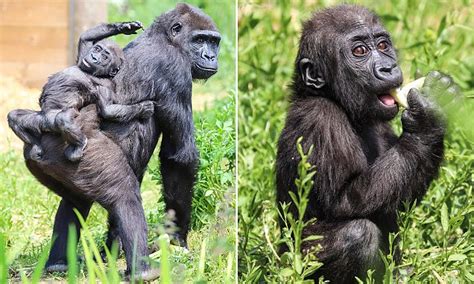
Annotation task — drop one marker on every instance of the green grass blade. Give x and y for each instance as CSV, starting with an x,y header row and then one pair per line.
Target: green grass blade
x,y
3,261
73,266
165,269
38,271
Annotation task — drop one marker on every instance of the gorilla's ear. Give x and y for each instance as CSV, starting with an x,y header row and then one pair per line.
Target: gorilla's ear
x,y
310,76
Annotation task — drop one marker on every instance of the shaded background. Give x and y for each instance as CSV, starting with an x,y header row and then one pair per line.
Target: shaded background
x,y
437,237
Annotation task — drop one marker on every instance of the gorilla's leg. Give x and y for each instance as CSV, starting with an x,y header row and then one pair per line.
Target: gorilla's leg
x,y
112,237
57,261
178,180
26,124
65,122
126,213
65,216
348,248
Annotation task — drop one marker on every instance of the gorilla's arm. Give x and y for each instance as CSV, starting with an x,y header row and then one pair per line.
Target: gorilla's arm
x,y
401,174
346,186
121,113
102,31
177,123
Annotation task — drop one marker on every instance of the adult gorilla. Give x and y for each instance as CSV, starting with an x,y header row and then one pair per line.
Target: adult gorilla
x,y
181,45
345,69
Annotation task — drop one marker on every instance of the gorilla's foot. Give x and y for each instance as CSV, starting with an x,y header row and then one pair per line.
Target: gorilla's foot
x,y
178,240
60,266
75,152
148,274
57,267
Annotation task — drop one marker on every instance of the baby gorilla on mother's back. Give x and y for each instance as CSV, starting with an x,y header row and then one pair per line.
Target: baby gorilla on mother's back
x,y
68,91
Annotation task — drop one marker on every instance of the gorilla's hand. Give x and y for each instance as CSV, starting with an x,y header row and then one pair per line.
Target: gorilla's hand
x,y
147,108
421,116
187,155
129,28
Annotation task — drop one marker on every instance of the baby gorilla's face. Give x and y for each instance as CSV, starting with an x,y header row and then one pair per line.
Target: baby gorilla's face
x,y
103,60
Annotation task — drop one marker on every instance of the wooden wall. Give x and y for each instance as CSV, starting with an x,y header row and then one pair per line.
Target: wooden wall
x,y
38,37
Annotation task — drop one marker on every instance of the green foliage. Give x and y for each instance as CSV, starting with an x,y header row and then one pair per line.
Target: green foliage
x,y
295,266
436,239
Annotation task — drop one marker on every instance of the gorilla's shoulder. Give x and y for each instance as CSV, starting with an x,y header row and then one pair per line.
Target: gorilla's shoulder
x,y
317,109
74,72
70,73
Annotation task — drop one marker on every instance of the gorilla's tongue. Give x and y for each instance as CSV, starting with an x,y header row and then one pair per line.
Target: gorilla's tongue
x,y
387,100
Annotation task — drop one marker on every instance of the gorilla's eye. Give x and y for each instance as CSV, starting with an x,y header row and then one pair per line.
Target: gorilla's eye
x,y
360,50
176,28
383,45
200,40
114,72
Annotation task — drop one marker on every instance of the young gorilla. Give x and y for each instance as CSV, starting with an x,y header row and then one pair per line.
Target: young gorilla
x,y
68,91
345,69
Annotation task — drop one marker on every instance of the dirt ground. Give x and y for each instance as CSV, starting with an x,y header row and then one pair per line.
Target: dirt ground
x,y
14,95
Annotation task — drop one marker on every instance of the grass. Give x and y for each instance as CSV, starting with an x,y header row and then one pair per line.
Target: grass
x,y
437,238
27,209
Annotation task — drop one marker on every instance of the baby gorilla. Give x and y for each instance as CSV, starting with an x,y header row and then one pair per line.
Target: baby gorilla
x,y
68,91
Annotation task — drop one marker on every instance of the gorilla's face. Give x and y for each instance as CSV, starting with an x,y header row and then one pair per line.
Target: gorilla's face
x,y
204,47
199,39
348,57
104,59
370,61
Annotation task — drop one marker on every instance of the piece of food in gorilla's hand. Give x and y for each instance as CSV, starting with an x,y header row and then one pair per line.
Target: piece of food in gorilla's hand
x,y
400,95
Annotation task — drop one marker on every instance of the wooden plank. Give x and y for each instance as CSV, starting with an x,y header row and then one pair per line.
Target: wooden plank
x,y
27,54
31,74
30,12
34,37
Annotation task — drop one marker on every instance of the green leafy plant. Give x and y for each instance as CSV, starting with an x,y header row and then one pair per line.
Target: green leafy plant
x,y
297,265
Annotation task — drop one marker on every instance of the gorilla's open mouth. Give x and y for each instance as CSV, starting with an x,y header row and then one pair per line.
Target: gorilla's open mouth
x,y
387,100
86,63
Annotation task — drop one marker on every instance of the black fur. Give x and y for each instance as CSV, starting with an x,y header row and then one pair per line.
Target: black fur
x,y
364,171
159,65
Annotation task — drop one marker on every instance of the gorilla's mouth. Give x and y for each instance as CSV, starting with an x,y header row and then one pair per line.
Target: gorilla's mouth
x,y
387,100
86,63
206,68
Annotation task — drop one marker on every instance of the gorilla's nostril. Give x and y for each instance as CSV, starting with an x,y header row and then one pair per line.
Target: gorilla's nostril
x,y
387,69
209,57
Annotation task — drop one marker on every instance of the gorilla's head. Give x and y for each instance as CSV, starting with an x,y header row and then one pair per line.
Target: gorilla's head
x,y
193,32
103,59
347,55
